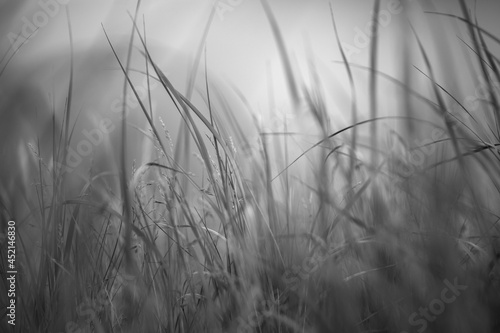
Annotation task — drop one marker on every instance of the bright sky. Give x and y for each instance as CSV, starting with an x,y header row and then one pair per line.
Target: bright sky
x,y
240,44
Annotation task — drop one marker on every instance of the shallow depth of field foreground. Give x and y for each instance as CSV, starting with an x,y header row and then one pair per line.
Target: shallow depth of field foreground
x,y
354,189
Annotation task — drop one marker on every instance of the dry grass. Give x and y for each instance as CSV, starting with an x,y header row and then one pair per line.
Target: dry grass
x,y
271,241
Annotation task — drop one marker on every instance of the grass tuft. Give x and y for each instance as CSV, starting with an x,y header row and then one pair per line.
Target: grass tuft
x,y
286,231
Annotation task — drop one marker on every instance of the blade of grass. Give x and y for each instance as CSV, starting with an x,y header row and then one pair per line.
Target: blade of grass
x,y
341,131
373,81
354,104
280,43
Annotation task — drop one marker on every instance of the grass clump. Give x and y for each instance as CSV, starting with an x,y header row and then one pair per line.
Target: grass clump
x,y
387,232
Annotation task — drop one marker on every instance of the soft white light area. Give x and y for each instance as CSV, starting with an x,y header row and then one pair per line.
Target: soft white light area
x,y
242,50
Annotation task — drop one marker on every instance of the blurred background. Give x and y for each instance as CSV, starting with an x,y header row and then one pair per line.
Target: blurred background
x,y
240,45
235,42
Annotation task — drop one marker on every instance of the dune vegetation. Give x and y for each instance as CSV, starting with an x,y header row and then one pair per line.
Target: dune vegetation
x,y
387,224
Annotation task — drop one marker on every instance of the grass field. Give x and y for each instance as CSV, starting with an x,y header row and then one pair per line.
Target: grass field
x,y
383,221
